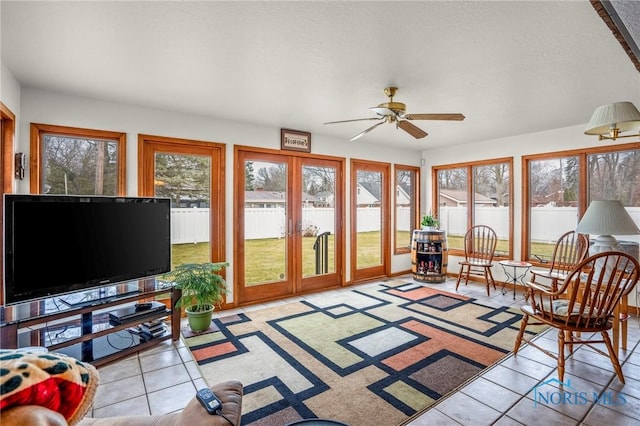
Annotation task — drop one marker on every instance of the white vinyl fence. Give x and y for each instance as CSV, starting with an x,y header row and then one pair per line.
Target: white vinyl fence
x,y
191,225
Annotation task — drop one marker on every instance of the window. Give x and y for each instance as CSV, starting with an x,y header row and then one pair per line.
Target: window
x,y
406,205
560,186
478,193
77,161
552,203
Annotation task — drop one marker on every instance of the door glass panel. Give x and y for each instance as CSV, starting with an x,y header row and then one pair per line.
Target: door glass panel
x,y
266,225
318,227
405,203
452,205
491,183
186,180
553,201
369,219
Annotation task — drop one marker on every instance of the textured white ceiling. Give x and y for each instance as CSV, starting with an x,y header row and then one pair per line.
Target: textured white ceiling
x,y
511,67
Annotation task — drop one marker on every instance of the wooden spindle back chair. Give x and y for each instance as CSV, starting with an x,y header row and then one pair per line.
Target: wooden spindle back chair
x,y
583,305
479,248
570,249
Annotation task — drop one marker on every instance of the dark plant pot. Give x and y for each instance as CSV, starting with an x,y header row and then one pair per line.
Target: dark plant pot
x,y
200,320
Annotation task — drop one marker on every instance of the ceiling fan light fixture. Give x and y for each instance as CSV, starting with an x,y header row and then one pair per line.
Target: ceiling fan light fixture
x,y
394,107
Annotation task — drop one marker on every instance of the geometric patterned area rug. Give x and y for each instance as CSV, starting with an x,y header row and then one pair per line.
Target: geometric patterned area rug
x,y
371,355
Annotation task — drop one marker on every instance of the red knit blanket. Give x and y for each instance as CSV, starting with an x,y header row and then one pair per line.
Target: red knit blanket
x,y
51,380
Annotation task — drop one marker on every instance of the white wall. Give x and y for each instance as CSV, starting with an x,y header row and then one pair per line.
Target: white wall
x,y
9,90
10,95
39,106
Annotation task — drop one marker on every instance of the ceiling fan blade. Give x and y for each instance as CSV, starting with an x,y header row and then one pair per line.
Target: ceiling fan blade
x,y
364,132
455,117
355,119
413,130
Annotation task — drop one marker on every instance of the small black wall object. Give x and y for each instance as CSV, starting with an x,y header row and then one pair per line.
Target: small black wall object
x,y
20,164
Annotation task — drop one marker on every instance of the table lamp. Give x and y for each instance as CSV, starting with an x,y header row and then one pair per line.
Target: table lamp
x,y
606,218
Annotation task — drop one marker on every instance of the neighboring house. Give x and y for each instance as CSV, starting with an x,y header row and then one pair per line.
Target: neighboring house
x,y
325,199
193,202
271,199
368,195
402,195
453,198
264,199
308,200
554,199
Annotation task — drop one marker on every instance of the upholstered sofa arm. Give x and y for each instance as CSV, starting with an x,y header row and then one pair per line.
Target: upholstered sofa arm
x,y
229,393
29,415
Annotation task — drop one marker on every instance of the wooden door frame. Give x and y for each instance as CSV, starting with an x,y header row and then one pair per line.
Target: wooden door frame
x,y
148,145
6,177
383,270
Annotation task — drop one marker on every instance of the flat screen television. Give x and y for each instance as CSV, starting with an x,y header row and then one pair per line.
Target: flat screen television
x,y
57,244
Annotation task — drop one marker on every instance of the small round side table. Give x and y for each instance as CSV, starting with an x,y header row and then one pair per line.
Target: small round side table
x,y
515,276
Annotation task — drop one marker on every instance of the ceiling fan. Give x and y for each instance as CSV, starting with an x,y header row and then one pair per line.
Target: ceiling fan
x,y
394,112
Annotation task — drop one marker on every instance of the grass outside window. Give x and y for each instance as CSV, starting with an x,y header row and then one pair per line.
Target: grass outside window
x,y
265,260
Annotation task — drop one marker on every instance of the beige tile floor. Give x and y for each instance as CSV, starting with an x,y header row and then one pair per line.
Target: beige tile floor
x,y
163,379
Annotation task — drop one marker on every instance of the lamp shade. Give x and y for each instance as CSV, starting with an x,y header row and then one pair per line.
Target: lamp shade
x,y
607,217
623,116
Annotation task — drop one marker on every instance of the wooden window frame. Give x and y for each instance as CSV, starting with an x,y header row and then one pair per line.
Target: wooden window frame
x,y
583,184
36,146
469,166
416,204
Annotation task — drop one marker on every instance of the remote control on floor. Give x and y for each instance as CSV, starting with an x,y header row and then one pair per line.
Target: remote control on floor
x,y
208,400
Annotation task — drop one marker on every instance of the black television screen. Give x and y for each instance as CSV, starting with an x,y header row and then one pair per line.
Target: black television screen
x,y
56,244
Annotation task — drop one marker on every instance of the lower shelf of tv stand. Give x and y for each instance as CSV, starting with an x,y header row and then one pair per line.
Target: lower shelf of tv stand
x,y
91,337
105,349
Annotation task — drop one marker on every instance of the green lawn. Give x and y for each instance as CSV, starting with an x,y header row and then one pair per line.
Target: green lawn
x,y
266,257
544,250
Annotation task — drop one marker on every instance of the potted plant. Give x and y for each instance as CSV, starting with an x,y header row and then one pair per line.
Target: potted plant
x,y
203,288
429,221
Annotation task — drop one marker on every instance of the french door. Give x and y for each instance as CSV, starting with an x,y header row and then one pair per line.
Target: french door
x,y
288,223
